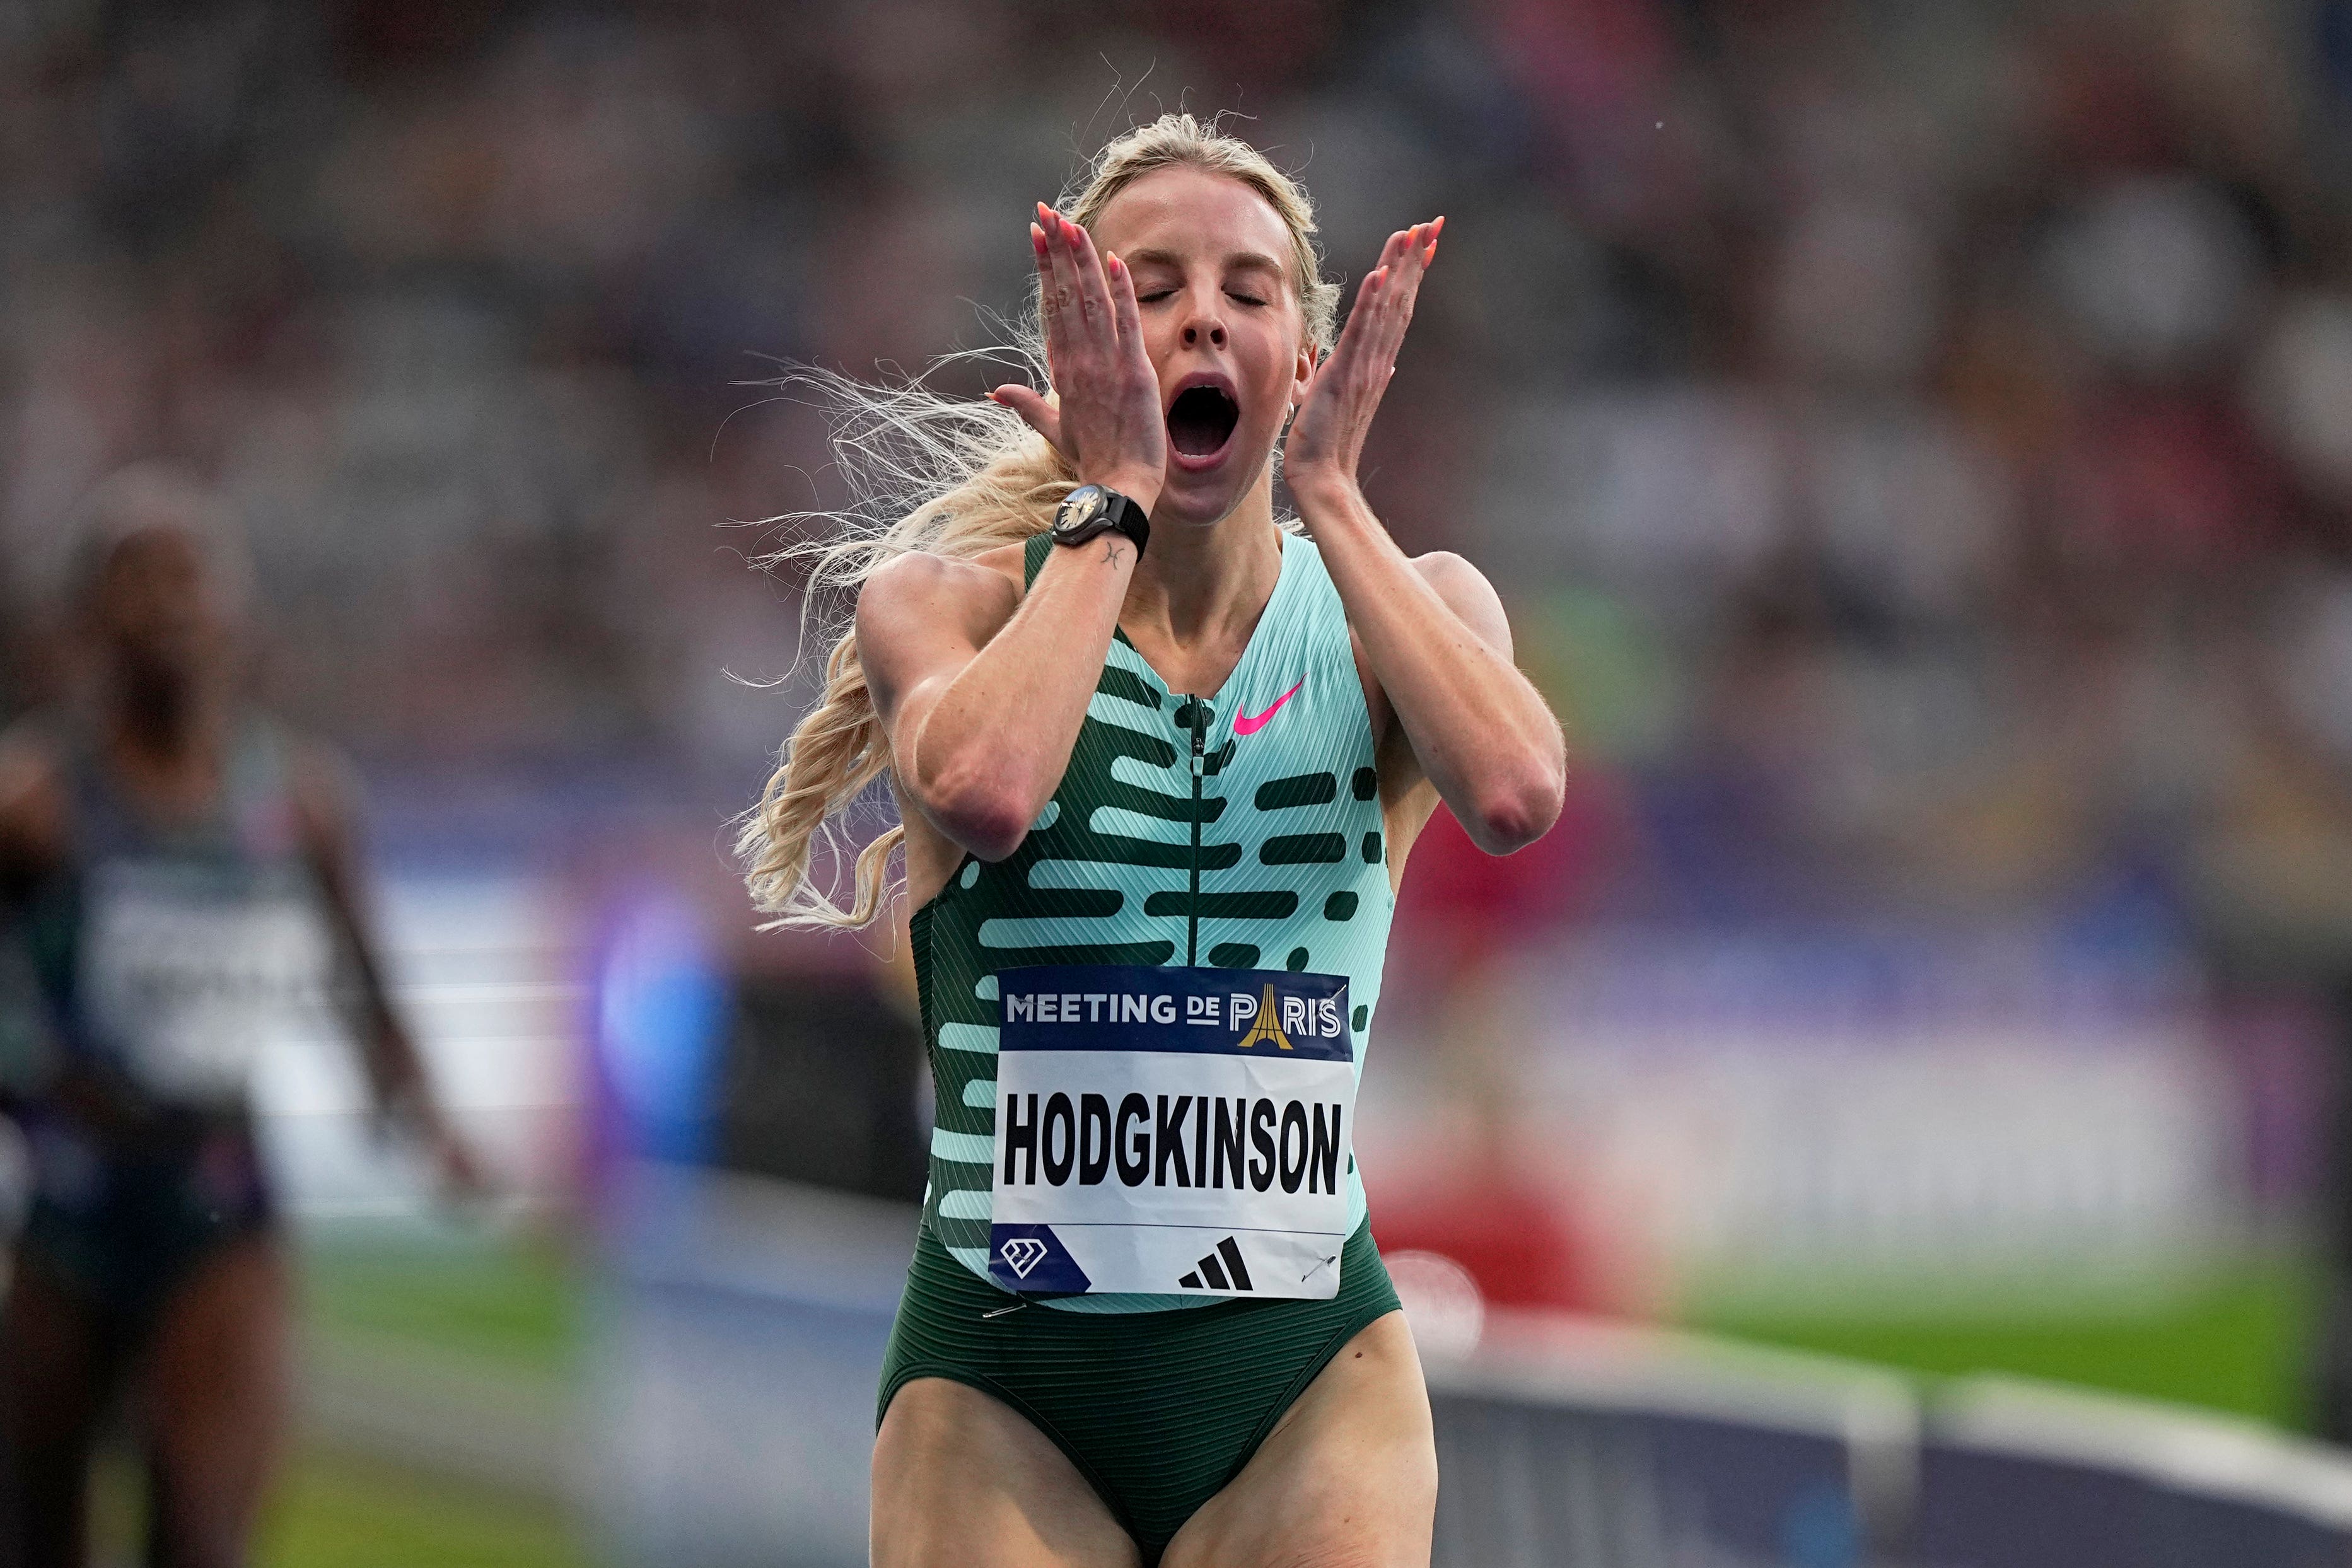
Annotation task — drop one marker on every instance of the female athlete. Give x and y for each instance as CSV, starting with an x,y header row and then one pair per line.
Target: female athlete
x,y
1158,761
169,855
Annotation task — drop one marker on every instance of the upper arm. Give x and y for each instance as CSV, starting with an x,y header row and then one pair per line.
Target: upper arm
x,y
920,620
1408,797
1466,591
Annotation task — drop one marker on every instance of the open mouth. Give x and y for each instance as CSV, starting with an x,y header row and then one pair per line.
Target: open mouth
x,y
1201,420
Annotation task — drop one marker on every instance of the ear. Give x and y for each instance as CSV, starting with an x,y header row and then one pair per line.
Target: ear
x,y
1303,374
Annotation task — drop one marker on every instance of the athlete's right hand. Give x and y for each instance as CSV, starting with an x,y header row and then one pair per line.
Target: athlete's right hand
x,y
1105,417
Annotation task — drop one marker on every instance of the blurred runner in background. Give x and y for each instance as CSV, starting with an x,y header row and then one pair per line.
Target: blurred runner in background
x,y
183,875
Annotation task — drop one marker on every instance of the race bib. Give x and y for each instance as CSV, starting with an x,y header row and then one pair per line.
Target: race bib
x,y
1171,1130
187,980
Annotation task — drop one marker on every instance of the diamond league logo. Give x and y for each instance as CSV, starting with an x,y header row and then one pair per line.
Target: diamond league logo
x,y
1022,1254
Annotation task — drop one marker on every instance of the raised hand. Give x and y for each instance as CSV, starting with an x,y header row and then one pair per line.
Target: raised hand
x,y
1105,416
1327,436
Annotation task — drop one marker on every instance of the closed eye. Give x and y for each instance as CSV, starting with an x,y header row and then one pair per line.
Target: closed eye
x,y
1154,296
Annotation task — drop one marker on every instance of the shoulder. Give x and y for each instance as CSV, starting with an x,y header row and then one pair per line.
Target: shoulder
x,y
34,804
29,760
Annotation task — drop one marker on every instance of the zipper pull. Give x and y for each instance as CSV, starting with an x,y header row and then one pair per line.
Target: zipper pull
x,y
1199,734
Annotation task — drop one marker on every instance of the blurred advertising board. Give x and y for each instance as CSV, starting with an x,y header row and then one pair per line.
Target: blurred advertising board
x,y
2024,1475
739,1340
1847,1123
1568,1439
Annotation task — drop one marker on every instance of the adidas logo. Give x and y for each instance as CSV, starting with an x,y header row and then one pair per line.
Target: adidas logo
x,y
1022,1254
1231,1274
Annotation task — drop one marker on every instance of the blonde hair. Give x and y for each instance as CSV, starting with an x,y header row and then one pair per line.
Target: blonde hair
x,y
956,477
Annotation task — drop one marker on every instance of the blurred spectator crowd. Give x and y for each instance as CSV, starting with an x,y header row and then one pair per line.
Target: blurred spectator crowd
x,y
1915,437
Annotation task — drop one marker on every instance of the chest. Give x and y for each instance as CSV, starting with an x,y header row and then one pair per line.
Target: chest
x,y
1180,672
1291,706
1202,666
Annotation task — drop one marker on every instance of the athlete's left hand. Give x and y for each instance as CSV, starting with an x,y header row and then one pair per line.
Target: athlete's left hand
x,y
1327,437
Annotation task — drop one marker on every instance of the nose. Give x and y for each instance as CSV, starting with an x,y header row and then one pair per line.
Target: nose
x,y
1204,328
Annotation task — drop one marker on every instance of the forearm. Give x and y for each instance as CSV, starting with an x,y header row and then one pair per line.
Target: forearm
x,y
397,1082
395,1071
988,755
1481,732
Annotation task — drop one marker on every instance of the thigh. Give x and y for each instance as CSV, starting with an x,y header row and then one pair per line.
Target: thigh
x,y
54,1382
217,1390
1347,1479
963,1480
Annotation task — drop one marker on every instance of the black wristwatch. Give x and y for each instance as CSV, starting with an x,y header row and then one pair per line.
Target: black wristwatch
x,y
1090,509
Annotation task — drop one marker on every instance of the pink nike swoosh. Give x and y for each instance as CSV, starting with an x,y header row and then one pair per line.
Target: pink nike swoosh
x,y
1252,725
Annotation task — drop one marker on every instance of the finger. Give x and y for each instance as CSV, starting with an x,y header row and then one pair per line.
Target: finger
x,y
1036,411
1407,270
1435,230
1063,238
1374,288
1411,266
1124,311
1368,300
1049,312
1384,323
1412,260
1398,287
1094,289
1359,324
1063,287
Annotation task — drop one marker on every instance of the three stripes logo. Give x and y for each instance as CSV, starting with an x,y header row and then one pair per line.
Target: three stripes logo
x,y
1231,1274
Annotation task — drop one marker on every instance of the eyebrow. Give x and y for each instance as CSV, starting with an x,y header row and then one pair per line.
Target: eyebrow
x,y
1246,260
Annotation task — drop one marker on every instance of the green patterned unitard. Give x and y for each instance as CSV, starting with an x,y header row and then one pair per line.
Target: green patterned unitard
x,y
1235,830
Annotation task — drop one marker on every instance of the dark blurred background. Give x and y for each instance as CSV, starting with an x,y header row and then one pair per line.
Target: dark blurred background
x,y
1913,439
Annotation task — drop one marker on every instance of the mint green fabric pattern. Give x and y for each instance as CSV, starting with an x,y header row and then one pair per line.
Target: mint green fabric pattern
x,y
1240,830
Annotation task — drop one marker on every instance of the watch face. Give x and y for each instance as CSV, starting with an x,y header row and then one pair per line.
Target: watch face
x,y
1082,506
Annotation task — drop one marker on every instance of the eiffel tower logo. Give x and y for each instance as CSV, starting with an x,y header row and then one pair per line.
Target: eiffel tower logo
x,y
1265,1028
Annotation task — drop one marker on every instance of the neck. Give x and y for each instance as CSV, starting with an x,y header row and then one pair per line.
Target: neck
x,y
166,718
1194,582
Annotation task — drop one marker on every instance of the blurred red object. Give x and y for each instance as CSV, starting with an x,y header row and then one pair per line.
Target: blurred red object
x,y
1460,903
1512,1231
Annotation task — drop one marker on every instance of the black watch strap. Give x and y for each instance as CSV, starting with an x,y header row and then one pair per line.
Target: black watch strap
x,y
1126,515
1092,509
